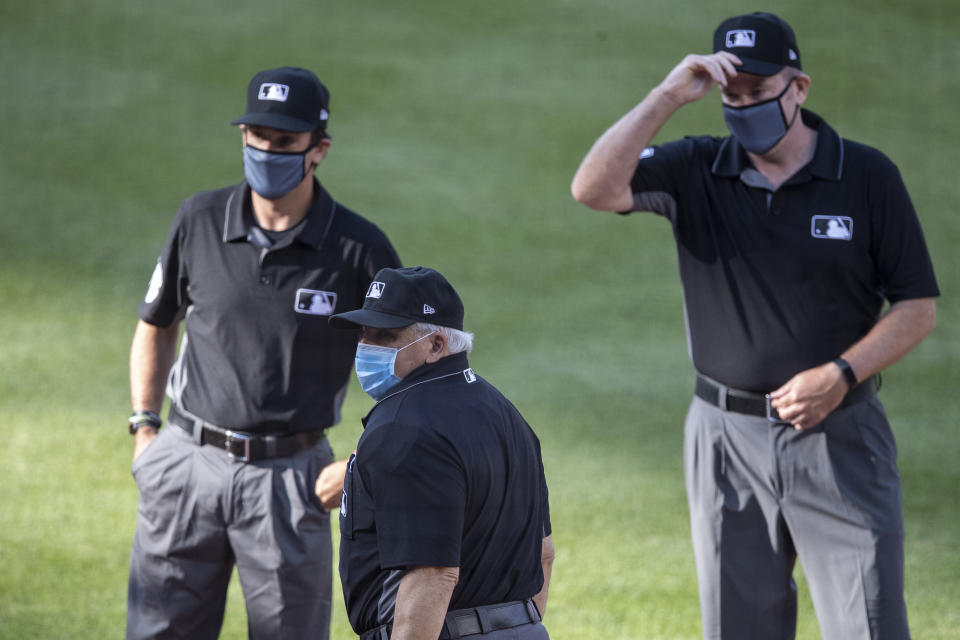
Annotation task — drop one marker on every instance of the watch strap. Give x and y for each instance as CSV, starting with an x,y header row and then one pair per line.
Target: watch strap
x,y
847,371
139,418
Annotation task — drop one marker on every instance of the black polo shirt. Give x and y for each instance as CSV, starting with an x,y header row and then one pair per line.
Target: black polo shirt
x,y
258,354
776,282
447,473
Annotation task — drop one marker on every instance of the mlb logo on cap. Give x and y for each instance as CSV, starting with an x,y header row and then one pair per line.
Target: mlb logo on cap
x,y
274,91
741,38
375,290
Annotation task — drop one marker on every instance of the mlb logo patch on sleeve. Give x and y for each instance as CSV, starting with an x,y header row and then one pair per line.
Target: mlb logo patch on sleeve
x,y
832,227
315,303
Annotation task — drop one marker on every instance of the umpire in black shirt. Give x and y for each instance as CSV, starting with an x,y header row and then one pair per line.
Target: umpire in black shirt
x,y
444,520
252,271
790,241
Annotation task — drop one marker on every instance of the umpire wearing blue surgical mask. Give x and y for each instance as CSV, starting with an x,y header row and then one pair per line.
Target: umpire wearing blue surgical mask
x,y
444,518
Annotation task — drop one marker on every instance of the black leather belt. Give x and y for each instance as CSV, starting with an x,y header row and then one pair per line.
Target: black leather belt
x,y
243,445
758,404
461,623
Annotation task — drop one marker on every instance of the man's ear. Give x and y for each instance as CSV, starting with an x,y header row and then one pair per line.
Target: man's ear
x,y
438,347
803,87
318,152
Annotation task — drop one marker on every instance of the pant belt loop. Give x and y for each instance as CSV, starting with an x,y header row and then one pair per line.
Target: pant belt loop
x,y
451,633
483,618
196,429
532,612
722,394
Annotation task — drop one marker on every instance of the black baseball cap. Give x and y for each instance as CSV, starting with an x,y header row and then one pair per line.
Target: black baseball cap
x,y
764,42
288,98
400,297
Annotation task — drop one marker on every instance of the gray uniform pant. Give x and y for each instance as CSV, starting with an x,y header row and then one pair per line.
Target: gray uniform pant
x,y
761,494
200,513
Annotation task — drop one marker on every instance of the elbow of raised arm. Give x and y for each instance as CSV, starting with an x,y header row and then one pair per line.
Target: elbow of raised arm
x,y
595,195
580,191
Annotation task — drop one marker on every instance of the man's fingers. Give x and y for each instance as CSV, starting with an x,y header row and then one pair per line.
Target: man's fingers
x,y
729,70
716,69
730,58
788,412
723,66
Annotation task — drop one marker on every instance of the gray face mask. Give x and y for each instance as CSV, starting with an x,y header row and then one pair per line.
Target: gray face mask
x,y
759,127
272,174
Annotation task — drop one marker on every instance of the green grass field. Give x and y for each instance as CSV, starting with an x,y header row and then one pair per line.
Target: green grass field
x,y
457,128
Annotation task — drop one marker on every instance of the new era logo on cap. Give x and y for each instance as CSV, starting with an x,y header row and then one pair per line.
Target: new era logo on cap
x,y
274,91
741,38
427,309
375,290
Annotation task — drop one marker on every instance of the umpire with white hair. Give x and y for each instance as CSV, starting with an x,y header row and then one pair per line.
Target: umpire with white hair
x,y
444,519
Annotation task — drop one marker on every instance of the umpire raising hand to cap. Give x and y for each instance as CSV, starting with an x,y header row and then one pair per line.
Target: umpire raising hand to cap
x,y
790,240
444,522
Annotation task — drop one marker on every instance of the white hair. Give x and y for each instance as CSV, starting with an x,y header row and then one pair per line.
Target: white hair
x,y
457,341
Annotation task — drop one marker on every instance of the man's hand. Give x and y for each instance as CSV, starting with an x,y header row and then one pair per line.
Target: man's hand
x,y
809,397
142,439
329,485
696,75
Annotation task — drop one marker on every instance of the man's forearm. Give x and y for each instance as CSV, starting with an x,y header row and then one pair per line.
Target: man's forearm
x,y
422,600
898,331
547,556
151,356
603,179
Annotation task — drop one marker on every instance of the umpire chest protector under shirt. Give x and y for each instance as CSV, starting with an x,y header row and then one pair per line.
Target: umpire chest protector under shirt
x,y
447,473
776,282
258,353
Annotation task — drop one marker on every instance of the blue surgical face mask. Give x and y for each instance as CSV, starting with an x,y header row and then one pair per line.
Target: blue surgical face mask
x,y
759,127
375,367
273,174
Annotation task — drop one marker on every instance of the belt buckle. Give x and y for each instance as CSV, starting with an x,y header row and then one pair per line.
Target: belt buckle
x,y
234,437
772,416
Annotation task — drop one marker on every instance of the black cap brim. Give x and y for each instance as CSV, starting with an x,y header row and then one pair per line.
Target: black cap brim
x,y
275,121
758,67
368,318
